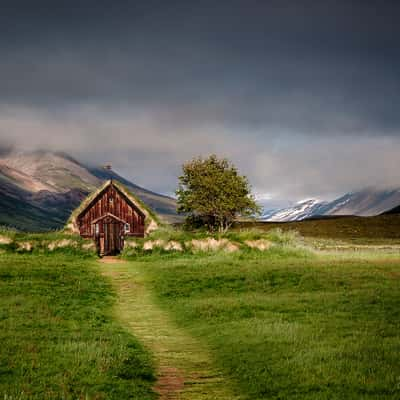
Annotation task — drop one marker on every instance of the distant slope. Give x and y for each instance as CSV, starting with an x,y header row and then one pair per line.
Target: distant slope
x,y
367,202
302,210
163,205
350,228
39,190
17,210
395,210
58,172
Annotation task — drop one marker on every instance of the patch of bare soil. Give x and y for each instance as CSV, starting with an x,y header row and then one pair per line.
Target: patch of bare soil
x,y
394,274
111,260
170,383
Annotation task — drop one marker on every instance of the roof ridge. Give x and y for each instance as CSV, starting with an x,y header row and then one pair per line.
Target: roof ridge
x,y
151,219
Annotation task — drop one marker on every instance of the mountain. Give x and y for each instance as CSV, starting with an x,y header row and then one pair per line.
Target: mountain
x,y
299,211
395,210
39,190
163,205
43,170
20,209
366,202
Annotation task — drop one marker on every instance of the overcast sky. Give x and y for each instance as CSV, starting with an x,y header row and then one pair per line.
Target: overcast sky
x,y
304,96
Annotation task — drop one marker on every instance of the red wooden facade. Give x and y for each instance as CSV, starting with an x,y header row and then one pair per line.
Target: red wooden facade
x,y
108,218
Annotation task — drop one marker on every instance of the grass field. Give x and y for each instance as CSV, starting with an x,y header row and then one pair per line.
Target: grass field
x,y
289,324
59,339
185,366
376,229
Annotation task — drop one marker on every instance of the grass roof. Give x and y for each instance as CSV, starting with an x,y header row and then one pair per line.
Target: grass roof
x,y
147,211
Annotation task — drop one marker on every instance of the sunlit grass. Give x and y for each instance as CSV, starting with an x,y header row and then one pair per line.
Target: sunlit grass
x,y
59,339
305,319
290,324
176,352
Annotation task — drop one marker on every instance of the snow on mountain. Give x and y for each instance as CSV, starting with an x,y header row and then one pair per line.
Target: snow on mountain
x,y
301,210
366,202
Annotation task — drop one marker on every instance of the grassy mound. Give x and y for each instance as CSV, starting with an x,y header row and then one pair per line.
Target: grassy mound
x,y
167,240
45,243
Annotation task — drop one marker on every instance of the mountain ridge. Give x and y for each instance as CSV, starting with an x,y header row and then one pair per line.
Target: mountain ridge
x,y
395,210
39,190
365,202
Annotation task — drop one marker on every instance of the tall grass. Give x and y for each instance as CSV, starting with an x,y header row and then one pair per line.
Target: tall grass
x,y
239,239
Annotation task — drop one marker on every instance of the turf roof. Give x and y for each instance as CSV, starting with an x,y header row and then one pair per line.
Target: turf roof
x,y
151,217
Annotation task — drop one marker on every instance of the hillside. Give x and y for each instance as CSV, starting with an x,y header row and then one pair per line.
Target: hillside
x,y
301,210
375,228
163,205
395,210
366,202
38,190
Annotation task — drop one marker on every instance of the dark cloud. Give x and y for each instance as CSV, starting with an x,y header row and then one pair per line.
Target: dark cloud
x,y
211,75
311,66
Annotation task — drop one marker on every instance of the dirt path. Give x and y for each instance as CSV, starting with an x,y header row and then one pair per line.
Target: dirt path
x,y
185,370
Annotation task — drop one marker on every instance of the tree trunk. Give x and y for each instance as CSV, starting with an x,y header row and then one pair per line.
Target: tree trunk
x,y
221,226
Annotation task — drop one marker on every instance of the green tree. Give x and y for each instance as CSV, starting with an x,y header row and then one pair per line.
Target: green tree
x,y
212,191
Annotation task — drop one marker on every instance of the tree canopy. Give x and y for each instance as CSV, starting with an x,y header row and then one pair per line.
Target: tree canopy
x,y
212,191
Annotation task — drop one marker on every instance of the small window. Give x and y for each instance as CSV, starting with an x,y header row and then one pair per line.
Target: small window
x,y
127,228
96,229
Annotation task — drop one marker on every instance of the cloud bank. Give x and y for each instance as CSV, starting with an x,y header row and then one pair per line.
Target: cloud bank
x,y
302,96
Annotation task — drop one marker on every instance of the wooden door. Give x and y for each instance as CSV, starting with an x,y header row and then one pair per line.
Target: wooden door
x,y
112,238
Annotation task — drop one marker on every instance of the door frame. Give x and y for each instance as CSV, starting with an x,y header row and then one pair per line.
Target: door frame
x,y
113,239
108,234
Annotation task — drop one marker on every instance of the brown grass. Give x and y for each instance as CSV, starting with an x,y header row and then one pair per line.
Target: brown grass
x,y
370,229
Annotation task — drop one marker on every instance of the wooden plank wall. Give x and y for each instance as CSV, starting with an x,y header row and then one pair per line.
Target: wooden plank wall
x,y
112,201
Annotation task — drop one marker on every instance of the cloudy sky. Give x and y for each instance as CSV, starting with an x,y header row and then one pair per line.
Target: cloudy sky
x,y
303,96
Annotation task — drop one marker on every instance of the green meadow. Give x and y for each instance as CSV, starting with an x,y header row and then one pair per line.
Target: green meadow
x,y
287,323
290,322
383,228
59,338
